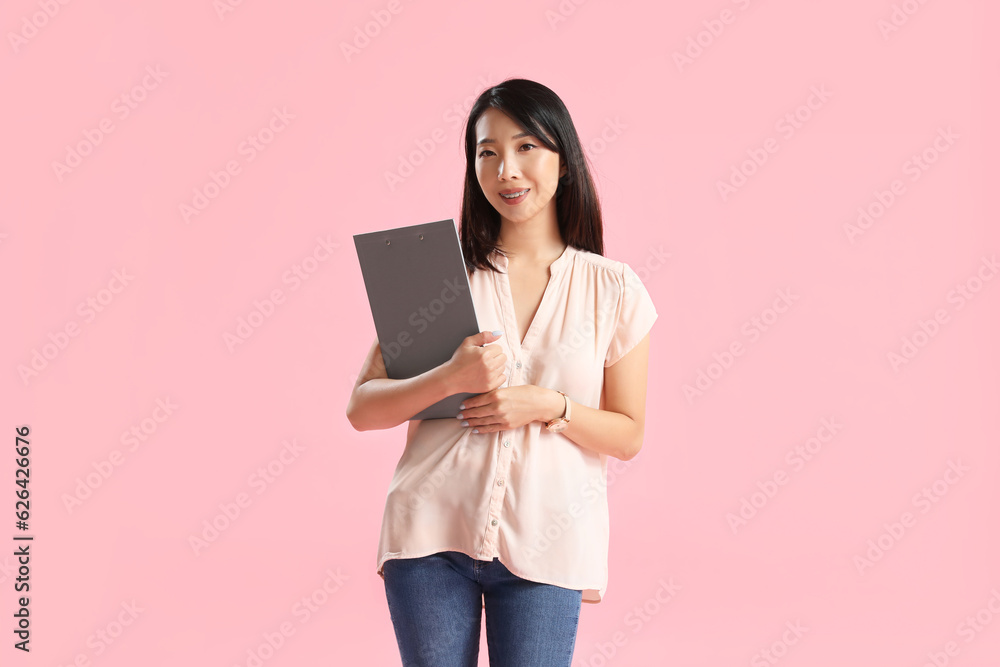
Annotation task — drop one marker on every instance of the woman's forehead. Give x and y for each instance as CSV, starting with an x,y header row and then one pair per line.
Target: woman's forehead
x,y
493,119
501,127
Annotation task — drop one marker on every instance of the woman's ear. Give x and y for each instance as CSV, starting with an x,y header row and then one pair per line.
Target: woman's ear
x,y
563,179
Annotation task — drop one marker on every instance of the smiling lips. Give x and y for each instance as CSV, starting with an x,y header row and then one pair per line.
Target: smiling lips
x,y
513,196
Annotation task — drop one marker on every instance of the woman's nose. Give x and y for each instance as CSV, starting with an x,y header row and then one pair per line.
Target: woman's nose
x,y
501,172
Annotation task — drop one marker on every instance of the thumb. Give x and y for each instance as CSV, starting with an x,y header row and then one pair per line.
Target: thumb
x,y
484,337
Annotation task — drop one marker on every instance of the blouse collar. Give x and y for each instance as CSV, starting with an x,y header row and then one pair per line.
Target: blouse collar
x,y
500,261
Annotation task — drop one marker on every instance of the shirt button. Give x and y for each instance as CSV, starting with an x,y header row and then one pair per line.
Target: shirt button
x,y
506,443
500,483
518,364
493,522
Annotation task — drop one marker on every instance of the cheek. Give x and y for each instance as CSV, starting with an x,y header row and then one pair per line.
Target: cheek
x,y
547,171
480,176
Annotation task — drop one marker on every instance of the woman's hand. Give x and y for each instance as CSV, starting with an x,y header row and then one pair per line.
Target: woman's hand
x,y
475,365
506,408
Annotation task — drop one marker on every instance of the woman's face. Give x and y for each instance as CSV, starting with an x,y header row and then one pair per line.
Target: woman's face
x,y
508,161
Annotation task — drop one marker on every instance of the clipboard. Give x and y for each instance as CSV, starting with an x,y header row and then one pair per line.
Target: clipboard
x,y
421,302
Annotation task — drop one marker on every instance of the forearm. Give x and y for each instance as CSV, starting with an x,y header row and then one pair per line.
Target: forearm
x,y
382,403
601,431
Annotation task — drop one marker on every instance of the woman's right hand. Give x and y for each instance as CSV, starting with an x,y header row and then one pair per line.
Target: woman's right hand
x,y
476,367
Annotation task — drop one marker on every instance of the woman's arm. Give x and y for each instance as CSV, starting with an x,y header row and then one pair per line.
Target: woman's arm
x,y
618,429
378,402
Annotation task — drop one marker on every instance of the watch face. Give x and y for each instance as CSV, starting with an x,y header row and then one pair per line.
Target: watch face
x,y
559,425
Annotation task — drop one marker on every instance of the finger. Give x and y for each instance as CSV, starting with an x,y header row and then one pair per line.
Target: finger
x,y
481,413
482,421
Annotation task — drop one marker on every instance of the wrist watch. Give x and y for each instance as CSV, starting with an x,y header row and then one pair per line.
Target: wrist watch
x,y
560,423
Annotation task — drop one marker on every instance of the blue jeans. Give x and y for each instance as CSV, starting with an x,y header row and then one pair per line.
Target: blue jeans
x,y
436,604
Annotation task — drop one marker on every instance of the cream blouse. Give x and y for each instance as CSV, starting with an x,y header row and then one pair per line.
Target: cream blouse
x,y
533,498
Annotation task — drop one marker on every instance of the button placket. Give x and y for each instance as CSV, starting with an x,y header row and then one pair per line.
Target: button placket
x,y
489,544
516,379
503,466
496,498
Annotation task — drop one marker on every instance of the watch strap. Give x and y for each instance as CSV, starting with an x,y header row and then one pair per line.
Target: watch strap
x,y
566,413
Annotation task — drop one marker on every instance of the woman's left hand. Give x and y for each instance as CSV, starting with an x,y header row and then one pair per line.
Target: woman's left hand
x,y
503,408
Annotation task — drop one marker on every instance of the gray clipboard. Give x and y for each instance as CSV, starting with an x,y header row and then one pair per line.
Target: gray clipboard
x,y
418,290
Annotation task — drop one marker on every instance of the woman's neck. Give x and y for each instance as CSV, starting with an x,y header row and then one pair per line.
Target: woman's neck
x,y
532,248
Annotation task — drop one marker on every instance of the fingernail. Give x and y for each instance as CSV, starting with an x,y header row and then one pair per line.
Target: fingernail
x,y
466,424
462,406
497,332
475,430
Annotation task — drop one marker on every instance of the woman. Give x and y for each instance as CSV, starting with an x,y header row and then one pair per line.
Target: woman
x,y
505,507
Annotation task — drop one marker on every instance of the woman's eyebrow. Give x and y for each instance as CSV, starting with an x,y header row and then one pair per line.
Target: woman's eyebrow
x,y
491,140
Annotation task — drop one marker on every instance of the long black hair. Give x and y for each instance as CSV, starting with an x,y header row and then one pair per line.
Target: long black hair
x,y
539,111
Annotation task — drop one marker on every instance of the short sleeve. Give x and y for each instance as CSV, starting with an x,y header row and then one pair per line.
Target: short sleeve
x,y
636,314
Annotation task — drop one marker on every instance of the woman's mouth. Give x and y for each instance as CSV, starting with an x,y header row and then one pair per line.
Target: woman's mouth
x,y
515,197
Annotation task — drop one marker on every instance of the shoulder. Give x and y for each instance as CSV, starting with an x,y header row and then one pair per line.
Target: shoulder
x,y
610,276
605,267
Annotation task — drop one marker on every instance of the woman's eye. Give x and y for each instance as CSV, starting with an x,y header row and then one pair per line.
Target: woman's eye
x,y
483,152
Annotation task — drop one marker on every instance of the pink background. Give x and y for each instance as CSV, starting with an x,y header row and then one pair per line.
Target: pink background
x,y
660,136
